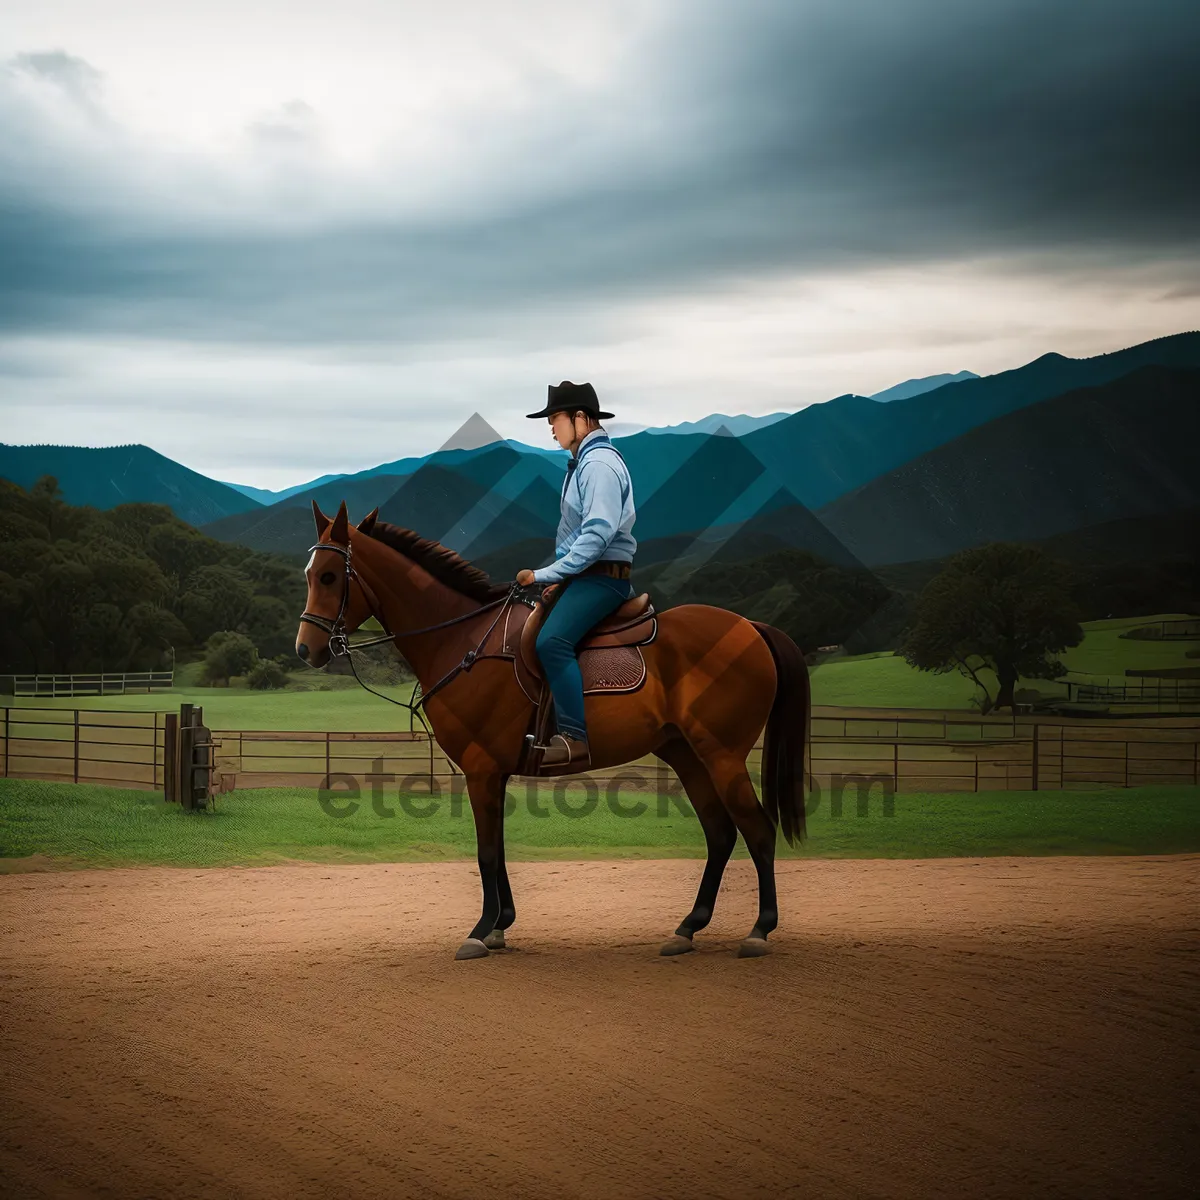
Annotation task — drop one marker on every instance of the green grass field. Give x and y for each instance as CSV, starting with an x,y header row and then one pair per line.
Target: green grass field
x,y
315,701
66,825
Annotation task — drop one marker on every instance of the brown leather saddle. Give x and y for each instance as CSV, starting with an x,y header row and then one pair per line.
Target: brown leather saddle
x,y
610,657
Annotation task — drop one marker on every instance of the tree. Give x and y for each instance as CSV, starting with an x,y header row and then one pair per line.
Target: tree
x,y
266,674
272,625
814,601
226,654
1003,607
153,630
82,589
46,498
103,632
217,597
178,549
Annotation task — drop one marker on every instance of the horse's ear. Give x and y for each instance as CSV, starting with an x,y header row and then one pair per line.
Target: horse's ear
x,y
368,522
323,522
340,532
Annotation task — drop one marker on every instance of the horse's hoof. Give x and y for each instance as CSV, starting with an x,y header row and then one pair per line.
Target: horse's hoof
x,y
677,945
472,948
753,947
495,940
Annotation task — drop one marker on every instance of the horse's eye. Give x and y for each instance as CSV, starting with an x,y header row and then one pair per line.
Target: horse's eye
x,y
328,578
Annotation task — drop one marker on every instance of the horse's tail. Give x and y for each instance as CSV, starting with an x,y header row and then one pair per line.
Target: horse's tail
x,y
787,734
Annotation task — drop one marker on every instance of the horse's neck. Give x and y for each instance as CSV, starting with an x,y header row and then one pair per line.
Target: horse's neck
x,y
411,598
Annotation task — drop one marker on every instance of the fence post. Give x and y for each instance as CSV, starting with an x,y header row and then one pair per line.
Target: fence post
x,y
196,740
76,745
186,748
170,757
7,742
200,738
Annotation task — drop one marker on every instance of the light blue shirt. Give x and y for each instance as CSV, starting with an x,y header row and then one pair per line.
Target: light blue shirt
x,y
597,511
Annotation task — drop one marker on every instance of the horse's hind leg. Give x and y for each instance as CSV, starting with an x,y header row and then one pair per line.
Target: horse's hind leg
x,y
736,790
720,834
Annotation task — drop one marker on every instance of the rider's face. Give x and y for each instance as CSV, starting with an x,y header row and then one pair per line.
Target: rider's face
x,y
562,428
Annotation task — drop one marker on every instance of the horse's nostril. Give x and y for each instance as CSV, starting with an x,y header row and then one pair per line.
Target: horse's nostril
x,y
302,651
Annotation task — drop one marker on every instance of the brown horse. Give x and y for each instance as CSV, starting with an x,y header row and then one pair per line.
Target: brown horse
x,y
714,680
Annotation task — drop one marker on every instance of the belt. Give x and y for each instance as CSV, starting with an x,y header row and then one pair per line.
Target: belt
x,y
617,570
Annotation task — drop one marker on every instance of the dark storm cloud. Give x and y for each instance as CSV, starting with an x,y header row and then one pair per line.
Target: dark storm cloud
x,y
1008,124
786,137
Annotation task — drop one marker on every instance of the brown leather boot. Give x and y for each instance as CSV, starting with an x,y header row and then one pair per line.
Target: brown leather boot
x,y
565,751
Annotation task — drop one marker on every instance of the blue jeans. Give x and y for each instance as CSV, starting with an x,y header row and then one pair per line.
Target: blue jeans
x,y
584,601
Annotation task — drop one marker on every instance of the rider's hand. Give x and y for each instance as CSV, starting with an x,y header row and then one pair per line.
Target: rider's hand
x,y
525,577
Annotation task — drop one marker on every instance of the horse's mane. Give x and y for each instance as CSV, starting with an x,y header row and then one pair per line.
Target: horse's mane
x,y
440,561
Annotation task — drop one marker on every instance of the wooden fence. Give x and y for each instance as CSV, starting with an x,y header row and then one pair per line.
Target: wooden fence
x,y
116,683
71,745
1182,628
1158,691
901,751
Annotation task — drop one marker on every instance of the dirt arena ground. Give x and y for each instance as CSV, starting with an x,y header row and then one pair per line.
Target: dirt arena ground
x,y
1000,1027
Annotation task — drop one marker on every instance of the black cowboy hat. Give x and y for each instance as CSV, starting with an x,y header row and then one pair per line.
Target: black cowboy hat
x,y
568,397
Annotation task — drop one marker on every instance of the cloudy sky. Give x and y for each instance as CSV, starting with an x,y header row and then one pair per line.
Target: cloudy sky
x,y
275,238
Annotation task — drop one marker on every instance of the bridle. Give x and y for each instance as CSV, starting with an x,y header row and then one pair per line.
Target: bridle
x,y
339,638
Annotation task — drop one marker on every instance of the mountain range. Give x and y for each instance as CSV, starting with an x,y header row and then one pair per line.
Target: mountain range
x,y
112,475
1127,448
264,496
914,387
476,433
909,475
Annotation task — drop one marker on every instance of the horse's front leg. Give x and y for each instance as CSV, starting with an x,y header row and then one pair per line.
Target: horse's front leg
x,y
508,908
487,805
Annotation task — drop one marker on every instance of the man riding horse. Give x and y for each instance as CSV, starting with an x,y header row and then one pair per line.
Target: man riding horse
x,y
709,682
